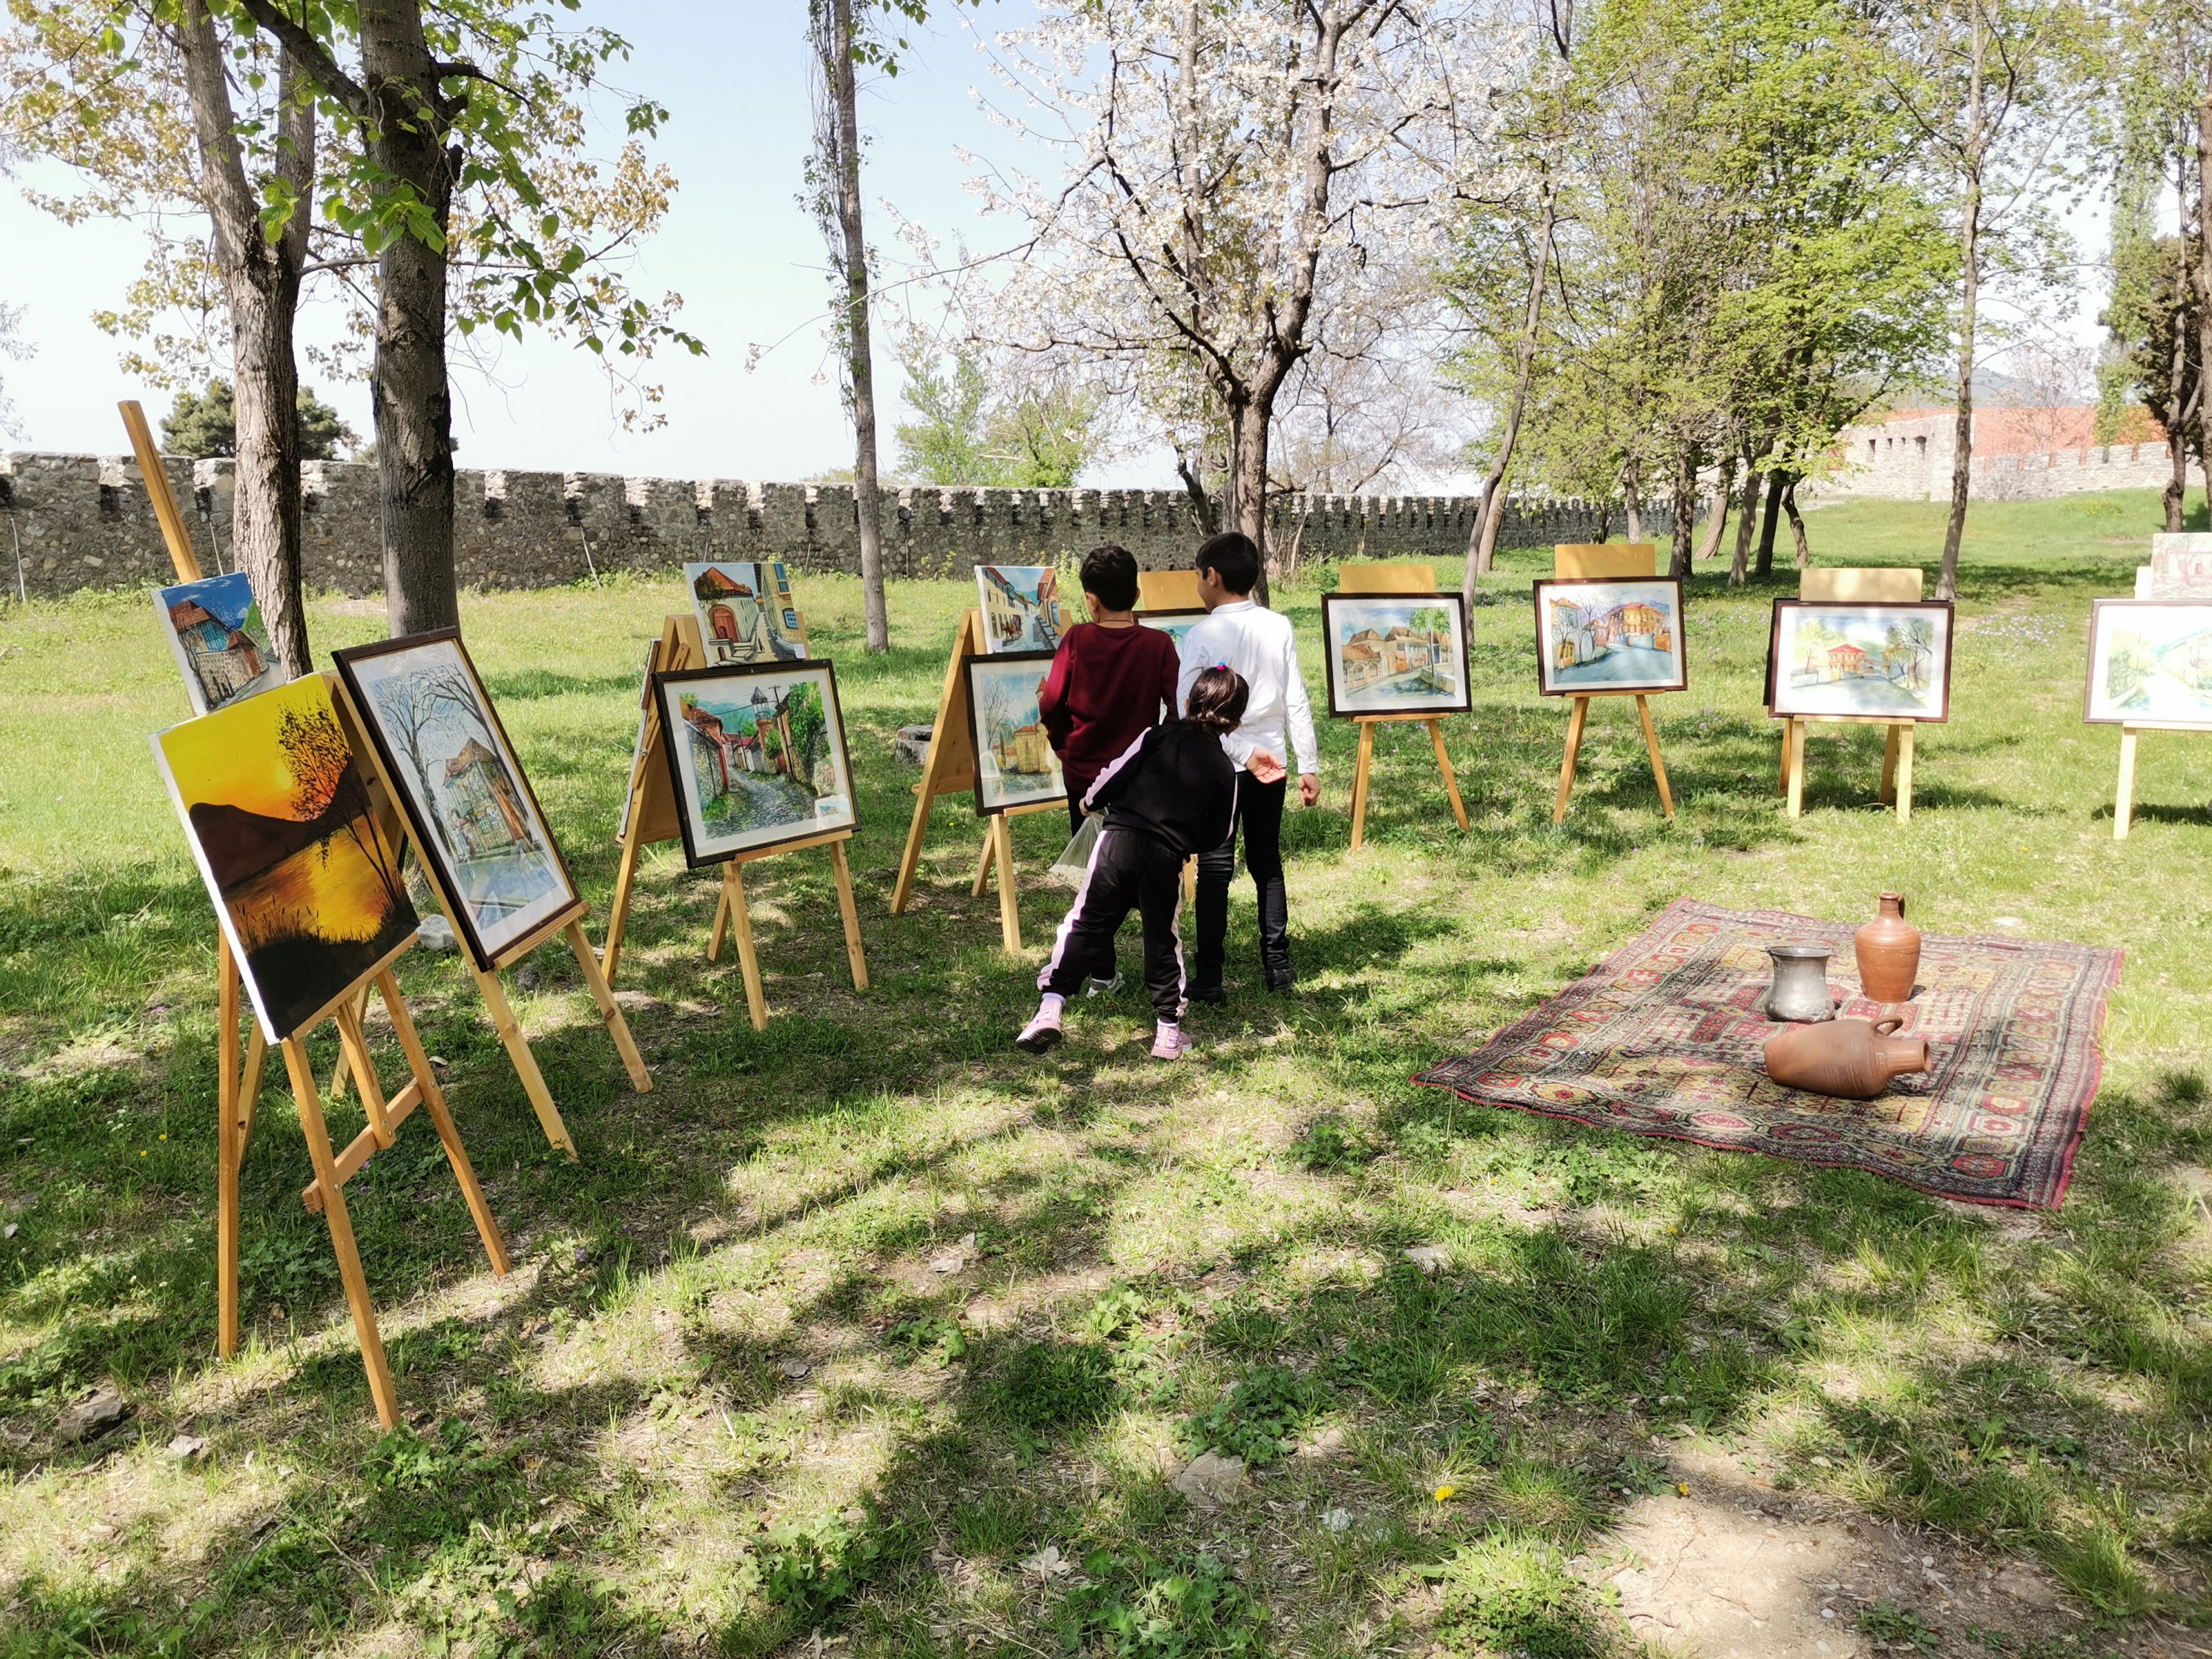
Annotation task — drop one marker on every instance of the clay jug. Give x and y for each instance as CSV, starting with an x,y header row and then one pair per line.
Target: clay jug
x,y
1888,953
1850,1058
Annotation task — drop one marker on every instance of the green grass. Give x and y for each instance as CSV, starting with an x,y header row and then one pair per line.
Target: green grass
x,y
617,1445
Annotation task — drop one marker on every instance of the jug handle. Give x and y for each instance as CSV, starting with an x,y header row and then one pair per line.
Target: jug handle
x,y
1889,1027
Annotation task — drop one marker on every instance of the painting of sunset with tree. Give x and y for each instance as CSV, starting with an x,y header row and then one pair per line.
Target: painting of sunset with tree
x,y
277,815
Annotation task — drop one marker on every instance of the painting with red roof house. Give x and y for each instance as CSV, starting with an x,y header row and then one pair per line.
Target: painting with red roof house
x,y
757,753
215,628
1891,661
472,810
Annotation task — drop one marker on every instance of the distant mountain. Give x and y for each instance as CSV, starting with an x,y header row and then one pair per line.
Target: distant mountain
x,y
239,845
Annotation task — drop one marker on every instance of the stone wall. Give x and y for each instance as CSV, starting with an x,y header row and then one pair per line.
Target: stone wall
x,y
2020,454
76,521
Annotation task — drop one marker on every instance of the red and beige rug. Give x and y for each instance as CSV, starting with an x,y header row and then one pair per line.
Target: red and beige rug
x,y
1663,1038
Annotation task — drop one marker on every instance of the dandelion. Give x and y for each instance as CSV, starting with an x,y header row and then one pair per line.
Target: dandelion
x,y
162,1137
144,1152
1445,1494
1682,1487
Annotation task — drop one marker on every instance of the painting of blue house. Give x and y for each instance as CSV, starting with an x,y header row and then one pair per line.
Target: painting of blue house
x,y
215,628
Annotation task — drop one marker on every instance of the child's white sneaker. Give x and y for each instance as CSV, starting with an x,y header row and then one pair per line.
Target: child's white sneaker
x,y
1168,1043
1105,987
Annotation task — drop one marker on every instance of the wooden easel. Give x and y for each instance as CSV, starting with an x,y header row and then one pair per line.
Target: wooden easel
x,y
392,824
1393,579
1599,561
653,819
1879,585
326,1194
950,770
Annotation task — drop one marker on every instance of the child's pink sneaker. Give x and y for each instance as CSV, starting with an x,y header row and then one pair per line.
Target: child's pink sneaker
x,y
1040,1037
1168,1043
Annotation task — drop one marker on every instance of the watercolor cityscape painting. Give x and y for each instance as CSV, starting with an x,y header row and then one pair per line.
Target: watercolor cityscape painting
x,y
277,813
757,754
445,752
1869,658
1015,763
1173,624
1395,655
1021,606
215,628
2150,663
745,612
1619,635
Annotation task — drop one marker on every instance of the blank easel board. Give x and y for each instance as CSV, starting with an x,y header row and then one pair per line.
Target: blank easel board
x,y
1168,590
1597,560
1386,577
1876,585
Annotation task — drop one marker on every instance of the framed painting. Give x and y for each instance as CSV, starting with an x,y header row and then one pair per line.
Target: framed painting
x,y
1395,654
1616,634
745,612
465,793
757,755
1021,606
1173,624
2150,663
276,811
1015,765
215,629
1858,657
2180,566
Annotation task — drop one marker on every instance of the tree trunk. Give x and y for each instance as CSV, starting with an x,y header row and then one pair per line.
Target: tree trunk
x,y
1482,546
1970,232
1797,525
2203,296
409,392
1685,510
1248,484
1632,500
1740,566
1205,513
1776,481
261,284
860,366
1723,498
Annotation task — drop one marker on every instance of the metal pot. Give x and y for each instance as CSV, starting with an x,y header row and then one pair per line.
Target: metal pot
x,y
1800,992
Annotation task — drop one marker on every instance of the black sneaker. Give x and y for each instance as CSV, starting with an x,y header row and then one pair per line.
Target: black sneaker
x,y
1284,978
1212,992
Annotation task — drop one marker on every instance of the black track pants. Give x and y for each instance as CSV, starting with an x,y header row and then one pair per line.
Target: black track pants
x,y
1128,872
1260,816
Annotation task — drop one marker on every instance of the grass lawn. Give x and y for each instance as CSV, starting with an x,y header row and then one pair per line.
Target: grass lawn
x,y
868,1330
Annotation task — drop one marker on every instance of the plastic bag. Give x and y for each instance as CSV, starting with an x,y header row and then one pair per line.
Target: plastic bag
x,y
1075,858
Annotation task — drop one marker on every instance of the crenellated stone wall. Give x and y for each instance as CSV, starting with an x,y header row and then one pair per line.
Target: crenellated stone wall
x,y
76,521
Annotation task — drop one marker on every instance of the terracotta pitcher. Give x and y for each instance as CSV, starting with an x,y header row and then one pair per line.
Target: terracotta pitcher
x,y
1850,1058
1888,950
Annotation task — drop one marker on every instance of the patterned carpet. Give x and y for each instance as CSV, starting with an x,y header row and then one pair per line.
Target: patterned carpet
x,y
1663,1038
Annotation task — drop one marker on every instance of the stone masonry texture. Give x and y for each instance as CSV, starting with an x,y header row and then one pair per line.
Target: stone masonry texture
x,y
83,521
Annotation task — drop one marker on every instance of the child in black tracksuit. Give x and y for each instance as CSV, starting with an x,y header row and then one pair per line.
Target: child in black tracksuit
x,y
1171,796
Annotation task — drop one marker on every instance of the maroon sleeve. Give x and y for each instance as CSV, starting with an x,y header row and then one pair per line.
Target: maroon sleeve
x,y
1058,719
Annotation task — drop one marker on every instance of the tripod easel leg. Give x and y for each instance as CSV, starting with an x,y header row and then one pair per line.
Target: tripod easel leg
x,y
343,1068
2124,794
610,1011
1658,766
342,1241
842,868
1576,719
1793,738
433,1102
1889,762
1904,774
1360,783
983,861
1782,776
1009,906
734,907
526,1063
1451,778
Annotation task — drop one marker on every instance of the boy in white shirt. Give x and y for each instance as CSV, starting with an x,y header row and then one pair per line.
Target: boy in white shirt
x,y
1259,645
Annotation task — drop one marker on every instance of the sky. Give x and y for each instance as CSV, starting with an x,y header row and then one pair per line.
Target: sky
x,y
736,245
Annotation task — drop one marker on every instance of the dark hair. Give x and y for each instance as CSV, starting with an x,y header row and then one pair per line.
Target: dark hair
x,y
1110,573
1233,560
1217,701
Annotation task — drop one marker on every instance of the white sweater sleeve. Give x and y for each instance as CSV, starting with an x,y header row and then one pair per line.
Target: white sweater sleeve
x,y
1299,710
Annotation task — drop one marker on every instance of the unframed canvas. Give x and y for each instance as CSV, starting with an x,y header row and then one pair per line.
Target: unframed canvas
x,y
215,629
745,612
461,786
276,811
1015,765
1021,606
1615,634
757,755
1876,660
2150,663
1400,654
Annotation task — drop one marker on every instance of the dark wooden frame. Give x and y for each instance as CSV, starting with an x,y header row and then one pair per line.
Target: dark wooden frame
x,y
1456,602
968,667
1774,655
1609,687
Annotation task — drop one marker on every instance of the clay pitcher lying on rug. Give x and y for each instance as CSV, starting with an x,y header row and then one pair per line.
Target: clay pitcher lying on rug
x,y
1850,1058
1888,950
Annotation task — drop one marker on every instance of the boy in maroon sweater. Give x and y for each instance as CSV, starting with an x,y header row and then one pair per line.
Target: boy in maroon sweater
x,y
1109,682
